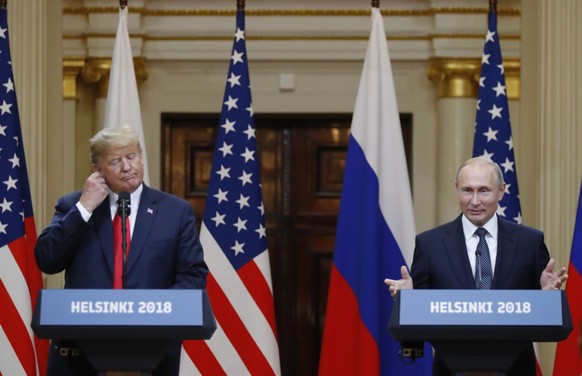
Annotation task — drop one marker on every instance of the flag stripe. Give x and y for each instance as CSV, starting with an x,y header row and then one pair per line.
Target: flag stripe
x,y
237,332
259,290
8,363
353,332
206,363
16,331
15,283
226,353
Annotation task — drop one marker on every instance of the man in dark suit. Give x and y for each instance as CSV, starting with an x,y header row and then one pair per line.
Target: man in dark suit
x,y
164,250
447,257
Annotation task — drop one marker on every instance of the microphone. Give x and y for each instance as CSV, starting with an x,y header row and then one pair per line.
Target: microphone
x,y
478,266
123,204
123,210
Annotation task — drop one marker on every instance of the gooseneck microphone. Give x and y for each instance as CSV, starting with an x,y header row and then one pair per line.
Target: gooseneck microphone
x,y
123,210
123,204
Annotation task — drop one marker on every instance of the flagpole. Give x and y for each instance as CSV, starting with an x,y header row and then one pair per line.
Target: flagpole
x,y
240,4
493,6
375,3
3,4
122,3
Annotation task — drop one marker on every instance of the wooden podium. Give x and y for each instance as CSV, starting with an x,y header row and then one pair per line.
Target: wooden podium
x,y
480,330
123,330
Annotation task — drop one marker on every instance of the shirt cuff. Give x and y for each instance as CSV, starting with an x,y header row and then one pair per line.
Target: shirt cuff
x,y
84,213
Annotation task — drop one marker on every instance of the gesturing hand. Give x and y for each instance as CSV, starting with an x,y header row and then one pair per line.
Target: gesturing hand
x,y
550,280
401,284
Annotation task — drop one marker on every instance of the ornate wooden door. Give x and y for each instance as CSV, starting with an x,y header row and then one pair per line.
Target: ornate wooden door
x,y
302,162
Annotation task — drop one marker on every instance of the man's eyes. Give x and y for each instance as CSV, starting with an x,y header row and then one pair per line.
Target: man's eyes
x,y
484,190
117,161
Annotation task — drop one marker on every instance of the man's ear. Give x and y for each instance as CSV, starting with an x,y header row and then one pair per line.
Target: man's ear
x,y
502,190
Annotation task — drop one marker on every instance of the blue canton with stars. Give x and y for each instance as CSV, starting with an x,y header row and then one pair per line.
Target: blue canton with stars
x,y
15,202
493,127
234,212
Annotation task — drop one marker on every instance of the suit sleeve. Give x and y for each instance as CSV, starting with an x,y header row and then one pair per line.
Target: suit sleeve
x,y
57,244
191,270
420,271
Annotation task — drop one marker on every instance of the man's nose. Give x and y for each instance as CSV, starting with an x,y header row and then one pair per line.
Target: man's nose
x,y
475,198
125,165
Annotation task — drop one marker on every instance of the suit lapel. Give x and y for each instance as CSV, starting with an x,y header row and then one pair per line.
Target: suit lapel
x,y
146,213
455,243
101,219
506,253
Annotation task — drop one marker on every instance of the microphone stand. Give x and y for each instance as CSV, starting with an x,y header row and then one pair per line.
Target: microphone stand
x,y
124,242
124,210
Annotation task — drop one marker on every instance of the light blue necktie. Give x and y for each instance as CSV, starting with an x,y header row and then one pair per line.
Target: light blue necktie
x,y
483,270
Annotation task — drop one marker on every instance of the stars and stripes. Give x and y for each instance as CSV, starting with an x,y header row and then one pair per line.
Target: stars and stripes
x,y
493,127
493,137
21,352
233,236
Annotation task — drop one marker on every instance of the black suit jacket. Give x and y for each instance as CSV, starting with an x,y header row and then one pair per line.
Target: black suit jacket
x,y
165,252
441,262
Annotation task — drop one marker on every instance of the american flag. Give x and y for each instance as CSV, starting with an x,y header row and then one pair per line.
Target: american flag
x,y
493,128
21,352
233,236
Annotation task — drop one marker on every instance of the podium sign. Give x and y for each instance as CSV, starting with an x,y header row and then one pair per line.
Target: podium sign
x,y
120,307
123,329
481,307
480,330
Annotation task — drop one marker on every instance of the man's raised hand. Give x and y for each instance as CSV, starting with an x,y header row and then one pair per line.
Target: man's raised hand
x,y
399,284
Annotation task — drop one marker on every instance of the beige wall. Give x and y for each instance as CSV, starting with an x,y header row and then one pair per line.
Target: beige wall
x,y
187,58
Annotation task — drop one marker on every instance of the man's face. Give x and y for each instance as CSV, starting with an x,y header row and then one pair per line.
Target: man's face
x,y
479,192
122,168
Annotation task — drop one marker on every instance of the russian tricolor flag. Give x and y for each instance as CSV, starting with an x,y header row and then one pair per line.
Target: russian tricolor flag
x,y
375,232
568,360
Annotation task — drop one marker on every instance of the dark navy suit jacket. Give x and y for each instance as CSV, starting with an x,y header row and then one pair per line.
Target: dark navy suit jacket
x,y
165,251
441,262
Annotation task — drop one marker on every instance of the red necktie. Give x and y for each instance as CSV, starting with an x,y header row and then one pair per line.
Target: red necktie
x,y
118,250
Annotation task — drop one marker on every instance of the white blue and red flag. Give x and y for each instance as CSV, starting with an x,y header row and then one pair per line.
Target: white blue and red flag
x,y
375,231
568,360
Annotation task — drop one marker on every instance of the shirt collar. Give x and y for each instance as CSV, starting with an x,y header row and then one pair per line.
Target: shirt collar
x,y
133,198
491,226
